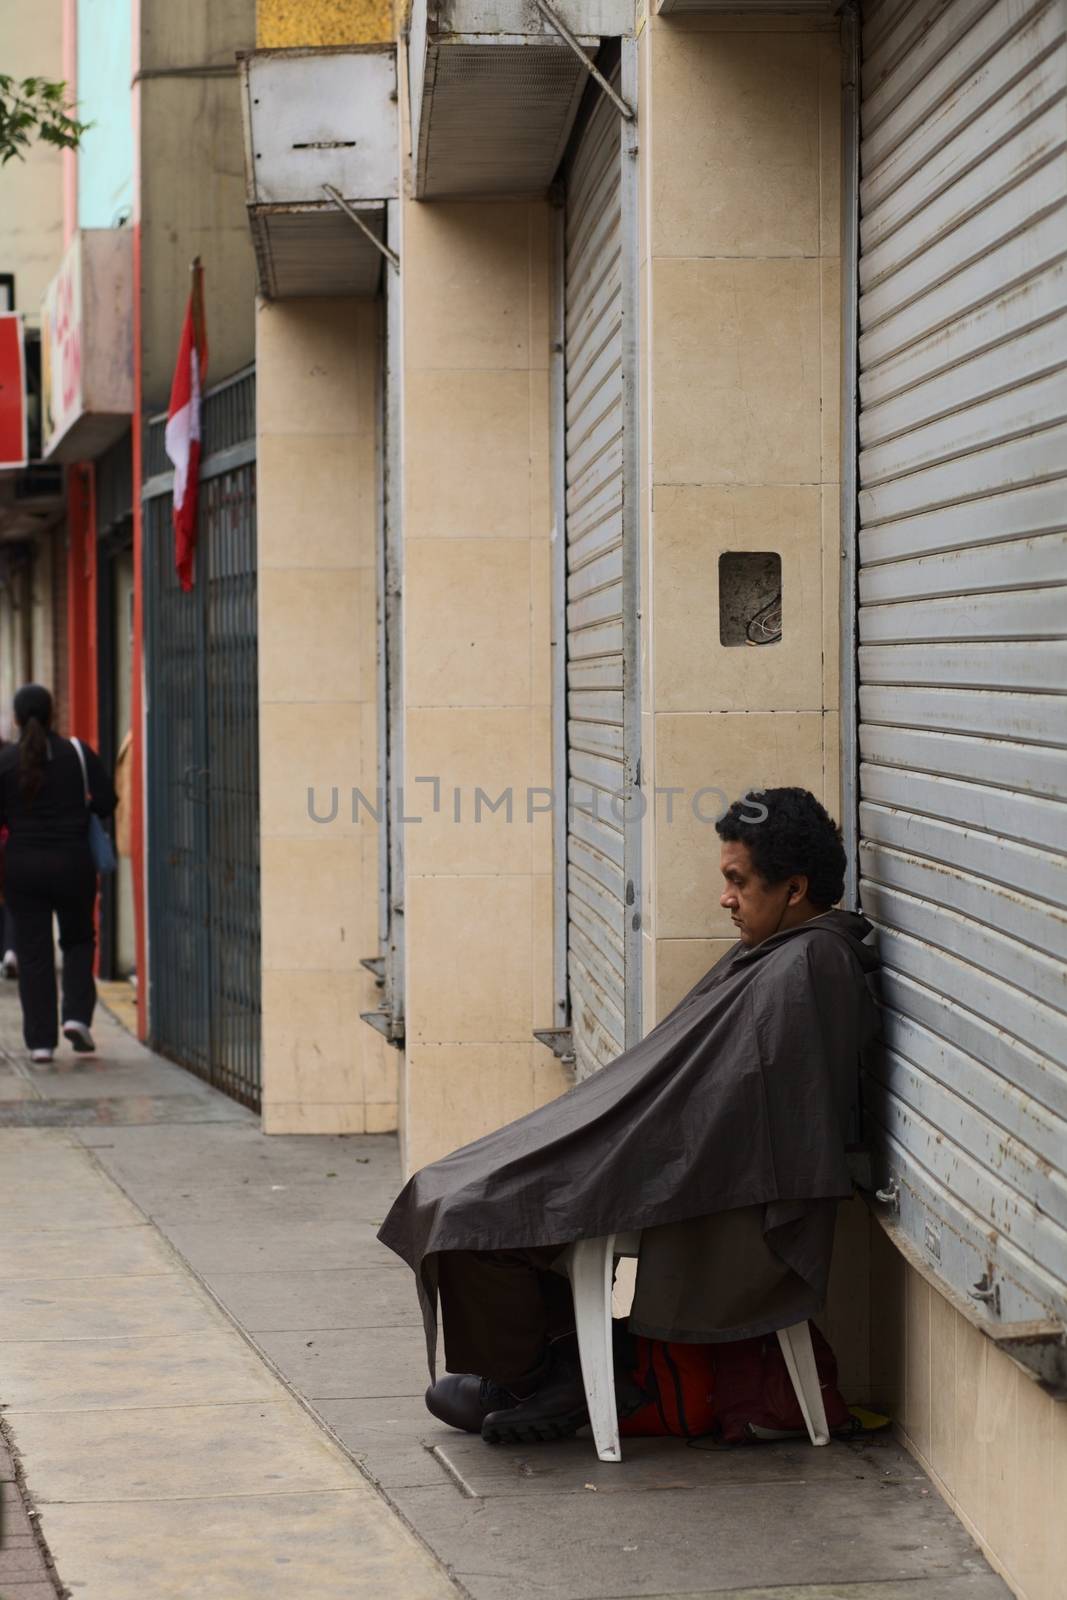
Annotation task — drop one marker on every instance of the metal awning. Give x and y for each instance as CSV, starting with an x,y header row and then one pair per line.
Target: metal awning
x,y
33,499
824,8
495,89
319,120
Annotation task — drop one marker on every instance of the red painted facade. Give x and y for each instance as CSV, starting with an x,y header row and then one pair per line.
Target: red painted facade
x,y
83,687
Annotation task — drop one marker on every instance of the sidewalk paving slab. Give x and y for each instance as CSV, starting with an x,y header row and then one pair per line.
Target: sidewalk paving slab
x,y
346,1363
584,1545
274,1237
146,1110
385,1436
165,1457
338,1243
666,1463
259,1203
133,1251
183,1452
962,1587
329,1546
13,1086
240,1499
375,1296
160,1370
34,1590
101,1307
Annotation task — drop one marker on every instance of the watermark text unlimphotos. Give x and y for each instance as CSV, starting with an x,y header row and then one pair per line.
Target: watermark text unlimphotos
x,y
474,804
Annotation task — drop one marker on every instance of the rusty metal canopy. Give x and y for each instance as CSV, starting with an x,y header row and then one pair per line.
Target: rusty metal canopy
x,y
495,90
33,499
317,117
314,250
790,7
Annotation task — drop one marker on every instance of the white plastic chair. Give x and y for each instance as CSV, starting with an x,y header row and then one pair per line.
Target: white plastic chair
x,y
590,1265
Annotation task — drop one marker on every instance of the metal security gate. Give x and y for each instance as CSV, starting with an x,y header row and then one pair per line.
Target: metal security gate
x,y
388,965
203,756
963,641
113,487
603,930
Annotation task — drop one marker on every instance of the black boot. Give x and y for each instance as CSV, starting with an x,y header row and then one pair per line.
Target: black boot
x,y
464,1400
555,1410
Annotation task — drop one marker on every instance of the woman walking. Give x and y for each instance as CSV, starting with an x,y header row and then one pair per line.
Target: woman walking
x,y
48,786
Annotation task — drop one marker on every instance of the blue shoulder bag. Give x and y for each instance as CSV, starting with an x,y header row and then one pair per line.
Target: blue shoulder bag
x,y
100,847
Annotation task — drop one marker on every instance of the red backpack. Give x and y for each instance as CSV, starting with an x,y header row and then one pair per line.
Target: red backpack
x,y
740,1391
754,1396
669,1388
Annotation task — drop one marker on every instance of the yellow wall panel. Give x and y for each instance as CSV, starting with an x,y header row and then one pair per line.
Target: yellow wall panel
x,y
285,23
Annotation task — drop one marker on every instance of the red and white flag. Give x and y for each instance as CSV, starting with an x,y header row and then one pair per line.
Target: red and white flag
x,y
182,437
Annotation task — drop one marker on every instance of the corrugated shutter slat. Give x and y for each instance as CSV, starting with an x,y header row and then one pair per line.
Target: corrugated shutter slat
x,y
963,629
596,673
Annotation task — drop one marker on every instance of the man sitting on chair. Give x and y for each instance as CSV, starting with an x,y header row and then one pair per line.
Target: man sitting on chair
x,y
721,1136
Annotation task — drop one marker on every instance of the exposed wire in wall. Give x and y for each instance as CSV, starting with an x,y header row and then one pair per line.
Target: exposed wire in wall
x,y
765,625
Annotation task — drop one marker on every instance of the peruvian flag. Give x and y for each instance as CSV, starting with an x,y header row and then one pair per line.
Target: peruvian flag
x,y
182,437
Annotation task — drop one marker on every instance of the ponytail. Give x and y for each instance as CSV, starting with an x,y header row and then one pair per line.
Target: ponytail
x,y
33,752
33,713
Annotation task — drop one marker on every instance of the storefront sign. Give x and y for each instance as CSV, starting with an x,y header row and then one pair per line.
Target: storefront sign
x,y
61,349
87,346
13,443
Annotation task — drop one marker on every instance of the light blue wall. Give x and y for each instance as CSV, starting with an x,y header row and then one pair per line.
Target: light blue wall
x,y
105,161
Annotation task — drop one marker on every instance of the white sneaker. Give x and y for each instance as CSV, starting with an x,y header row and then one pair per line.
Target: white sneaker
x,y
9,967
79,1038
41,1056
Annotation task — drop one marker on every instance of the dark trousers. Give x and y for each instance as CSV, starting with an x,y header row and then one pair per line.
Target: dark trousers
x,y
41,883
499,1309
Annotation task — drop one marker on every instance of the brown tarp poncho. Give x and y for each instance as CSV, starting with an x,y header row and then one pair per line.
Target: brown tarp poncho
x,y
744,1096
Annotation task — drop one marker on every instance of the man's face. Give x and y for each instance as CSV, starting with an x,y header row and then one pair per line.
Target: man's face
x,y
756,908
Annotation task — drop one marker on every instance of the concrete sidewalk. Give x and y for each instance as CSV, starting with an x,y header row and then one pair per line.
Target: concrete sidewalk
x,y
214,1376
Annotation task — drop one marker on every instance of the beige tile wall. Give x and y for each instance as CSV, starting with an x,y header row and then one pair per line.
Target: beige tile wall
x,y
31,219
741,305
995,1444
477,520
740,285
324,1071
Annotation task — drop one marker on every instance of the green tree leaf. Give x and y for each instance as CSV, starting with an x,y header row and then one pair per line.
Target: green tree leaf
x,y
36,108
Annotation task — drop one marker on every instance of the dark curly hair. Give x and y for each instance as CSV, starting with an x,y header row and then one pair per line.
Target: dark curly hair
x,y
787,831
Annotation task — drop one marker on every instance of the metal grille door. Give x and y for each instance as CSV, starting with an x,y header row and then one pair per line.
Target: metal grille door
x,y
203,757
602,930
963,633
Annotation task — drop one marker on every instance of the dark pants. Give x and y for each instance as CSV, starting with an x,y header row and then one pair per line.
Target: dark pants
x,y
499,1309
41,882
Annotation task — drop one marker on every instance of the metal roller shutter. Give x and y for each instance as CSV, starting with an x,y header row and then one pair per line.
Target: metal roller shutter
x,y
963,632
601,600
202,755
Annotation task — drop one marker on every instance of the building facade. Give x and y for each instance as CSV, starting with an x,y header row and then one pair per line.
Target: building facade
x,y
33,557
611,409
154,183
656,435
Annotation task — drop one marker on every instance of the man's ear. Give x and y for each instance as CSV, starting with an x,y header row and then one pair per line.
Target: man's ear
x,y
798,890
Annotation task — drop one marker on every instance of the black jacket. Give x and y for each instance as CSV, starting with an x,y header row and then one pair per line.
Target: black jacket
x,y
746,1094
57,814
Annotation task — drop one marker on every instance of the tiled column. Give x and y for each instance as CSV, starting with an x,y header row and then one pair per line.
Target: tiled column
x,y
741,383
324,1071
477,525
741,151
